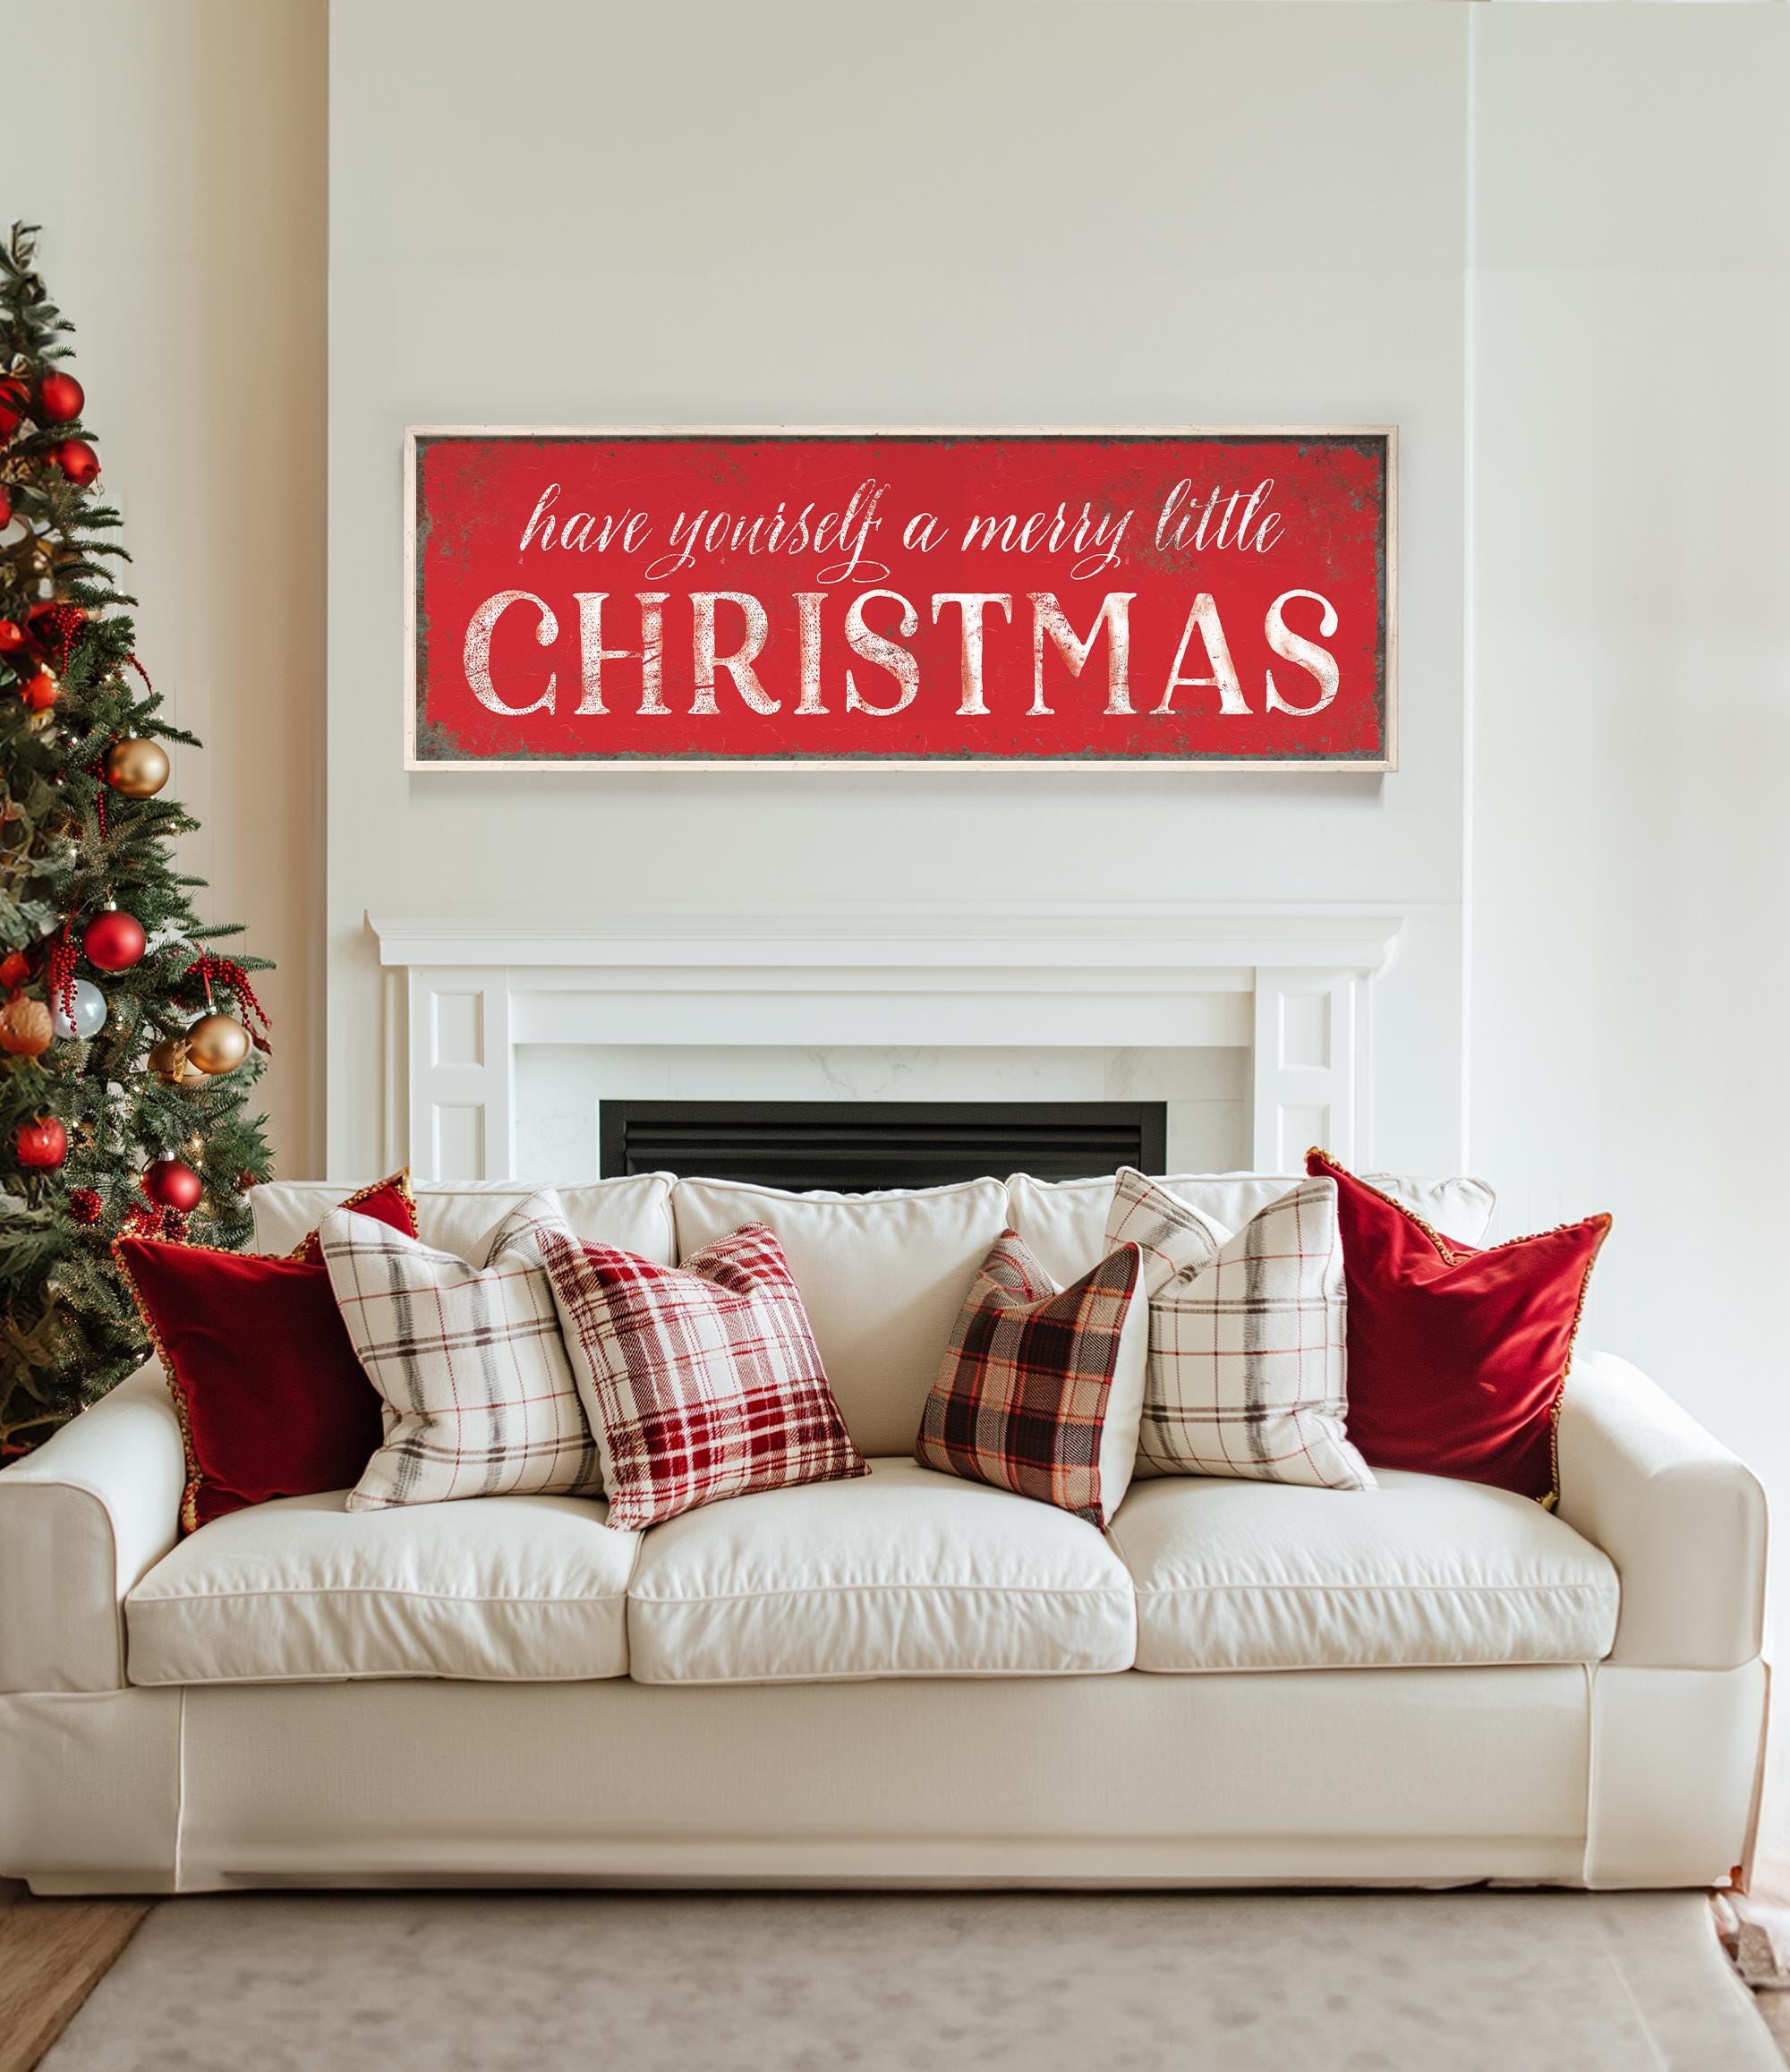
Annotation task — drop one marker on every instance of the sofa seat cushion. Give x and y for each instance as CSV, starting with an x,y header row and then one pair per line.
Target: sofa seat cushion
x,y
908,1573
492,1588
1420,1573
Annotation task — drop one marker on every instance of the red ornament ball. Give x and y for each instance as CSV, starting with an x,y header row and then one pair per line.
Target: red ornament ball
x,y
13,398
60,397
77,460
15,969
42,1144
174,1184
11,636
86,1205
5,506
40,693
114,940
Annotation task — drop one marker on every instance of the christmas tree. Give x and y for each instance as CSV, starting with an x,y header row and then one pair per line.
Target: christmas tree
x,y
128,1045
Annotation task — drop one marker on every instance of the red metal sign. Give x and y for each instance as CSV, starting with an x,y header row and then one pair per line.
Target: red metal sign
x,y
825,597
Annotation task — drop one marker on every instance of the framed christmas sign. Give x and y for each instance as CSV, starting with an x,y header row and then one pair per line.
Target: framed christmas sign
x,y
717,598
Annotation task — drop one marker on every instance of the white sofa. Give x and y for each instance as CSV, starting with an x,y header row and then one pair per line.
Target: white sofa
x,y
911,1680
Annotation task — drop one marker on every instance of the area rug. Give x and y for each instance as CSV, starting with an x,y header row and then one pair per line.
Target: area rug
x,y
1473,1981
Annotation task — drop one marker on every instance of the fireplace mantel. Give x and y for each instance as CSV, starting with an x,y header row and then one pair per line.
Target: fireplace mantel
x,y
1292,985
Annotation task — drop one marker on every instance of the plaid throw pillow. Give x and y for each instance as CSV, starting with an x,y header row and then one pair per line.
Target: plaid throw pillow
x,y
701,1381
479,1399
1247,1334
1040,1387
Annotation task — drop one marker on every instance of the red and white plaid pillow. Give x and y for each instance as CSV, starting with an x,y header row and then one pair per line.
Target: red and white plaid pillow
x,y
1042,1388
701,1381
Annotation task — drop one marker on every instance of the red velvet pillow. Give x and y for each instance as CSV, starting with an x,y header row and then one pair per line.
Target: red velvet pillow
x,y
1457,1355
272,1401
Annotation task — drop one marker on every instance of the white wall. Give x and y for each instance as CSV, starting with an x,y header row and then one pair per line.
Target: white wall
x,y
940,214
172,153
987,213
1631,673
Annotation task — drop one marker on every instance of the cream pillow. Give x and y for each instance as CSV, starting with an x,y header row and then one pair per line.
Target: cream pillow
x,y
1248,1337
479,1396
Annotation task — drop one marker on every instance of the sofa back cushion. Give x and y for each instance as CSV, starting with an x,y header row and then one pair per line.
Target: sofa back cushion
x,y
1064,1221
462,1217
884,1277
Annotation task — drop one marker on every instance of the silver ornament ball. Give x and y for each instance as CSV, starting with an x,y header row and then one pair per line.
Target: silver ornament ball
x,y
88,1016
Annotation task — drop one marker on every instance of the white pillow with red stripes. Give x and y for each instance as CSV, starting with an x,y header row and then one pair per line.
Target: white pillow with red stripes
x,y
479,1399
700,1381
1248,1334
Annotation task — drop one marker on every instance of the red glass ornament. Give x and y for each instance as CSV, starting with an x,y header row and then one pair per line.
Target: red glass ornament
x,y
13,398
60,397
77,460
5,506
40,693
174,1184
15,969
42,1144
86,1205
114,940
11,636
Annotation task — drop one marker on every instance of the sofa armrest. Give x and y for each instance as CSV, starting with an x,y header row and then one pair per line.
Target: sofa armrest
x,y
1683,1520
80,1519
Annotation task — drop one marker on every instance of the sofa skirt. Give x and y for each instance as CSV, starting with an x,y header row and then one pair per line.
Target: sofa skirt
x,y
1601,1777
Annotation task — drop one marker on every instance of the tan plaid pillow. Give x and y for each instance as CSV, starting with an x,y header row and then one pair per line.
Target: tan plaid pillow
x,y
1040,1387
479,1398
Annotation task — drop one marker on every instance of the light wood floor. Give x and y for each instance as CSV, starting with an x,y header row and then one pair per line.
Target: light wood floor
x,y
53,1953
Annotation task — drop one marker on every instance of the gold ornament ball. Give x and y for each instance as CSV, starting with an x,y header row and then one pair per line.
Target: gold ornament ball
x,y
136,768
217,1043
25,1026
169,1062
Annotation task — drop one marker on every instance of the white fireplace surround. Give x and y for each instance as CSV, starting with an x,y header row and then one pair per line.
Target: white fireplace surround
x,y
1292,985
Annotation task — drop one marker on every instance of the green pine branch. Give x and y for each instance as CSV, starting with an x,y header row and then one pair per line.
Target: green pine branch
x,y
70,846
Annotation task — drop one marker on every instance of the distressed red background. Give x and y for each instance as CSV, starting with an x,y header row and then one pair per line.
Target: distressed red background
x,y
475,492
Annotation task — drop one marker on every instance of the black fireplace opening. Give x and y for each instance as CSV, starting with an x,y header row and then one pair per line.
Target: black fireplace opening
x,y
853,1147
